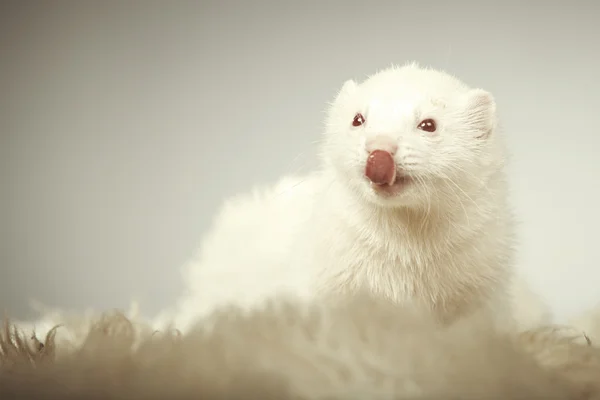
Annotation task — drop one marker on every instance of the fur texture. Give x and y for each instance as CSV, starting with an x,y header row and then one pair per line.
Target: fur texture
x,y
357,348
444,240
588,322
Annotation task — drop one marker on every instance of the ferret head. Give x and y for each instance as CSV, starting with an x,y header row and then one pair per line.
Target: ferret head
x,y
410,136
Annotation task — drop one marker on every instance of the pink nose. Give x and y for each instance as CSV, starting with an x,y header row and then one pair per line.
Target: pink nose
x,y
381,142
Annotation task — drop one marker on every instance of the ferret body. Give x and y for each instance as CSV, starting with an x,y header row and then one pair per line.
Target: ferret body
x,y
410,203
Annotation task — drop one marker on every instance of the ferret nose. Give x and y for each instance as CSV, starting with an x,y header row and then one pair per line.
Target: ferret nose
x,y
381,142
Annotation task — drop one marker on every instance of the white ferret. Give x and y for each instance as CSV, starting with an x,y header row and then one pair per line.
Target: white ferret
x,y
409,203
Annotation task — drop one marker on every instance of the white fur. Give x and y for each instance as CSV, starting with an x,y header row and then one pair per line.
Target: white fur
x,y
446,242
74,326
361,348
589,323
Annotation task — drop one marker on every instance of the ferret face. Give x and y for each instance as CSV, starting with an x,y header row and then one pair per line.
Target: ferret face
x,y
409,136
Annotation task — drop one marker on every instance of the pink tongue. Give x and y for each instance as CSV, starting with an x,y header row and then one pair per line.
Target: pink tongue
x,y
381,168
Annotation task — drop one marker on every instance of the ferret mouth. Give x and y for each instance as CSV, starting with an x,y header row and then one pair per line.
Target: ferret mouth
x,y
397,186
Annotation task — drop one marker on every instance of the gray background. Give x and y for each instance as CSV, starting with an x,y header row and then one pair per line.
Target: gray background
x,y
125,123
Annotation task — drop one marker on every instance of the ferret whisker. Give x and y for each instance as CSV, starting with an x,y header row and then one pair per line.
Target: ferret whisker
x,y
426,192
460,198
466,174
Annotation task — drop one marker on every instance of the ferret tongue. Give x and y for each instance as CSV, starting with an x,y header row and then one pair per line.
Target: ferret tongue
x,y
381,168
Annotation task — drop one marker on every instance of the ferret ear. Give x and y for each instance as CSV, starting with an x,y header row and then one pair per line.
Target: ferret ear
x,y
480,108
348,88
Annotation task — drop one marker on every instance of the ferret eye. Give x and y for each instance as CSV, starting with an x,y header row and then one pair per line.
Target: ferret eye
x,y
427,125
358,120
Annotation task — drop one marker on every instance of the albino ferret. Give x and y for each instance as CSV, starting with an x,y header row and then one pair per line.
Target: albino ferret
x,y
409,202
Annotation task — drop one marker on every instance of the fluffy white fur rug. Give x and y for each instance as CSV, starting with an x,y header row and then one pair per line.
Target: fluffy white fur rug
x,y
356,349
